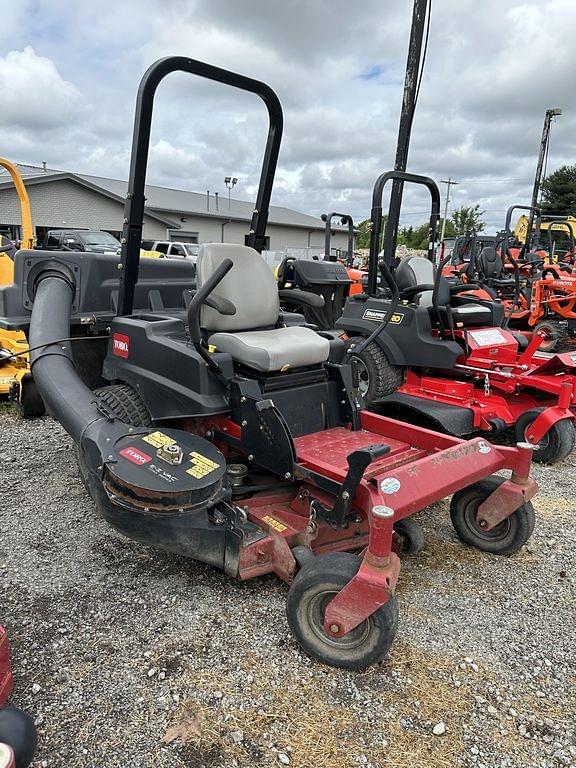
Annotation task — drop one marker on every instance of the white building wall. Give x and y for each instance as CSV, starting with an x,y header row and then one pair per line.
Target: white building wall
x,y
63,203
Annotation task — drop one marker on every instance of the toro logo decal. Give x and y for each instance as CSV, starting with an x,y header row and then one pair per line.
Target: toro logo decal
x,y
135,456
121,345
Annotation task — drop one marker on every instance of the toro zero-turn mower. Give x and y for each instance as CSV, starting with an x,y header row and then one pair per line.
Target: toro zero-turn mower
x,y
432,353
232,434
18,737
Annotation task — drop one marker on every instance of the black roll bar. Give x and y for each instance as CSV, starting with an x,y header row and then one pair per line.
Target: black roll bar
x,y
528,240
135,198
344,219
376,219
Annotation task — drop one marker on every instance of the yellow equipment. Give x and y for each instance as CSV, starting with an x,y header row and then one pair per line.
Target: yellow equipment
x,y
522,227
15,377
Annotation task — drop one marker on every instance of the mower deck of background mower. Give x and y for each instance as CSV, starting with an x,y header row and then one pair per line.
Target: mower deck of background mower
x,y
234,436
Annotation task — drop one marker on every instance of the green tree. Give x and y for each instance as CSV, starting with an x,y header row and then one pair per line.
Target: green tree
x,y
466,219
364,230
559,192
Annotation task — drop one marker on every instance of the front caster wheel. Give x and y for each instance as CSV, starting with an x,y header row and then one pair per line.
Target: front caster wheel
x,y
557,443
311,591
504,539
411,536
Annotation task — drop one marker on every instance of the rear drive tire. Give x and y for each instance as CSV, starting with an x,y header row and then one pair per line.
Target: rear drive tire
x,y
504,539
557,443
556,335
313,588
127,405
378,377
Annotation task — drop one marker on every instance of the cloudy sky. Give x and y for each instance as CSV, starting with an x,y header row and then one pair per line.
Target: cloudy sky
x,y
70,70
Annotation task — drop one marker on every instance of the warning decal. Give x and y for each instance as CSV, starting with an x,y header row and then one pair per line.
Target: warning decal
x,y
159,440
201,465
273,523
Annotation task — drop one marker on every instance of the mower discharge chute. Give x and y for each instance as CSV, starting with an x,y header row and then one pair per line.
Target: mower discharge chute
x,y
232,433
443,358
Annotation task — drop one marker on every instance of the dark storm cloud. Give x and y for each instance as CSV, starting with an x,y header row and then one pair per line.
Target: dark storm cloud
x,y
69,74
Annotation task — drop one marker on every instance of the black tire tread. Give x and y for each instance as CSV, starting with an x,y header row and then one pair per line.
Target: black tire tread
x,y
385,378
336,569
523,519
561,442
126,404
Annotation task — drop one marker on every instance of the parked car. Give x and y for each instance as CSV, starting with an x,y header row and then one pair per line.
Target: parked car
x,y
172,250
90,240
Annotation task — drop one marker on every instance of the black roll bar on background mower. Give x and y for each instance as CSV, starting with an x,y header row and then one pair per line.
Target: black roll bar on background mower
x,y
135,198
344,219
528,240
376,219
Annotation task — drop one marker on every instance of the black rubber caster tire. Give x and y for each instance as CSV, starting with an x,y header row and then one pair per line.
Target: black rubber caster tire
x,y
557,443
17,729
412,536
312,589
30,404
378,377
507,537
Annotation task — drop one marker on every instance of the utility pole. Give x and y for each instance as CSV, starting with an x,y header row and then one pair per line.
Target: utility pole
x,y
544,142
449,183
405,127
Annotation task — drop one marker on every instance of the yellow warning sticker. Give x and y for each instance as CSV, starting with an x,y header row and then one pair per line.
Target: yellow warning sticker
x,y
159,440
201,465
273,523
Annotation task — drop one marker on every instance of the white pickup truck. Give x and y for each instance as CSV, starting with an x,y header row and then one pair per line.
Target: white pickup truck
x,y
172,250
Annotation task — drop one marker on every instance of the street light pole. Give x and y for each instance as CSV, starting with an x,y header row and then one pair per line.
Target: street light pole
x,y
230,182
449,182
544,142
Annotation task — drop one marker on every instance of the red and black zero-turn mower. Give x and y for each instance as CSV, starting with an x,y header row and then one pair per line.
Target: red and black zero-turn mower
x,y
234,438
18,737
541,296
432,354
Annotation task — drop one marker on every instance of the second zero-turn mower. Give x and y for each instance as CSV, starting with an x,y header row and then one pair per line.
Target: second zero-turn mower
x,y
444,359
16,381
232,434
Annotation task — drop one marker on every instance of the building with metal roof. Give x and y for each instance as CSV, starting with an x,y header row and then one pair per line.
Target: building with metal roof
x,y
63,199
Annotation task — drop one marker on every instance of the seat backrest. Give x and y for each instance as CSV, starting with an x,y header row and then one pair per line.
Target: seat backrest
x,y
250,285
418,270
490,263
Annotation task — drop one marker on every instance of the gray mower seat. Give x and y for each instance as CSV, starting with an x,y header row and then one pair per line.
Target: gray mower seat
x,y
250,335
415,271
274,350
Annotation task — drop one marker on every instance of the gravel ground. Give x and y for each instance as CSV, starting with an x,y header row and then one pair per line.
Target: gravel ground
x,y
128,656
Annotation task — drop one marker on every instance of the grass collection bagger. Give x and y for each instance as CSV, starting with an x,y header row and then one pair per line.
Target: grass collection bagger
x,y
18,737
444,359
232,434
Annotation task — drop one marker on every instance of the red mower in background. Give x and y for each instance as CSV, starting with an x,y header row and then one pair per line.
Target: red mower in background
x,y
432,353
18,738
356,275
538,293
